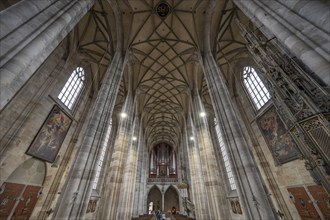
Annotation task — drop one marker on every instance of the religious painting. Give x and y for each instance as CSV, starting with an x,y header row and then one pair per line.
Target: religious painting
x,y
91,206
49,139
233,207
162,171
238,207
278,139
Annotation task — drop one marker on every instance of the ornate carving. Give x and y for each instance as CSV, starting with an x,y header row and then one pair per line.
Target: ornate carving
x,y
297,97
312,124
163,9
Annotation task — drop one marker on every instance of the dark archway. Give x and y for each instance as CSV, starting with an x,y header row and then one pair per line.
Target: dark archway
x,y
171,199
154,200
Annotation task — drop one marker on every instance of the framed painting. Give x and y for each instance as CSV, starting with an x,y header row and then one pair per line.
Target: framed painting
x,y
50,137
233,207
278,139
162,171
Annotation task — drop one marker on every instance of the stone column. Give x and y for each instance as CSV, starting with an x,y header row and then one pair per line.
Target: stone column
x,y
186,173
163,198
252,195
223,178
140,179
118,160
199,193
315,12
125,208
103,188
126,205
30,31
143,194
79,184
77,190
300,33
209,166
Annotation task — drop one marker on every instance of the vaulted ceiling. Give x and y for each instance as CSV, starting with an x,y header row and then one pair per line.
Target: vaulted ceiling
x,y
163,40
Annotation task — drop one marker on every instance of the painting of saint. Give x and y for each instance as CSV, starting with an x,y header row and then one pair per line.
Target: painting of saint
x,y
162,171
279,141
238,207
233,207
49,139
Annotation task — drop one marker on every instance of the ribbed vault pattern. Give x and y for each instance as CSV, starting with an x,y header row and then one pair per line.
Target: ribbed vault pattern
x,y
163,52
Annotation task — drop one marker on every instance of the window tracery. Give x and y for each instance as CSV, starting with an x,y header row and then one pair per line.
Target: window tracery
x,y
72,87
255,87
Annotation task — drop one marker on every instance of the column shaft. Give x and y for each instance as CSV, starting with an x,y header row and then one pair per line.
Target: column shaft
x,y
209,165
104,176
252,195
143,196
316,12
197,180
125,210
223,178
78,188
118,160
249,184
139,186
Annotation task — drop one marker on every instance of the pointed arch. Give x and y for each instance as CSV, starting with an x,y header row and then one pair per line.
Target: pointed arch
x,y
30,172
171,198
154,198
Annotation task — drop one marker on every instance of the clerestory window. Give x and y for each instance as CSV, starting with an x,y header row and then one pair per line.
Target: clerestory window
x,y
255,87
225,156
72,87
103,153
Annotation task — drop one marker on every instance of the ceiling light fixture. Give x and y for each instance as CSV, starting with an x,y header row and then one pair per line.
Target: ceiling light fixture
x,y
134,138
202,114
123,115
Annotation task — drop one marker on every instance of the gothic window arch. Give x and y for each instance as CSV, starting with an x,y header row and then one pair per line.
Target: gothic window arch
x,y
255,87
73,87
